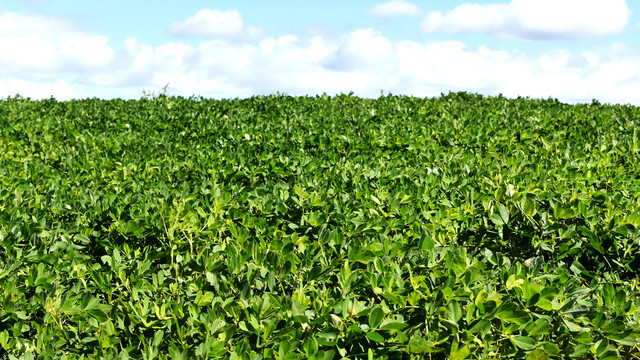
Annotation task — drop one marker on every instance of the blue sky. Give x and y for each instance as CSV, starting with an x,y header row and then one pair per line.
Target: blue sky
x,y
573,50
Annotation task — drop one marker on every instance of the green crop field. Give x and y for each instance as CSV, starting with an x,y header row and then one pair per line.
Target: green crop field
x,y
460,227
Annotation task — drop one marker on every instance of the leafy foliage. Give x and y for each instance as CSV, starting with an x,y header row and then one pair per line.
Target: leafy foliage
x,y
462,227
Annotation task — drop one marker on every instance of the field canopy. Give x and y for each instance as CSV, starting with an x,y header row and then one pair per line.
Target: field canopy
x,y
322,227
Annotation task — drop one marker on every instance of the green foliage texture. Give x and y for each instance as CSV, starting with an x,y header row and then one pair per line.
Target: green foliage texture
x,y
462,227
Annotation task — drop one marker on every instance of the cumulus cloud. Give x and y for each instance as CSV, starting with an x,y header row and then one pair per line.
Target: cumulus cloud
x,y
362,50
67,63
214,23
394,8
43,48
139,64
365,61
533,19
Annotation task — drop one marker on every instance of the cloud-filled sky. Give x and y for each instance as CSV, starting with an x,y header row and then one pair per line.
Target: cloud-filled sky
x,y
572,50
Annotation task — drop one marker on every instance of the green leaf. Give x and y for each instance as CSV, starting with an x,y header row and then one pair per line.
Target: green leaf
x,y
376,315
551,348
116,256
374,336
395,298
393,325
4,338
454,312
298,312
480,326
594,240
310,347
82,239
607,293
529,207
627,338
426,243
204,299
509,313
98,314
70,307
576,311
599,196
504,214
501,217
560,212
458,353
89,302
328,338
573,327
22,315
513,282
284,348
420,345
480,297
157,338
601,346
538,354
544,304
584,338
107,260
525,343
579,352
541,327
533,300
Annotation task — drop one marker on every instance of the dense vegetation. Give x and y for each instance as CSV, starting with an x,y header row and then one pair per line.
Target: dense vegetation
x,y
319,227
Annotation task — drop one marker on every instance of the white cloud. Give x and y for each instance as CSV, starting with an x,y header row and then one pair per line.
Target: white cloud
x,y
365,61
533,19
395,7
41,47
142,65
215,23
361,51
